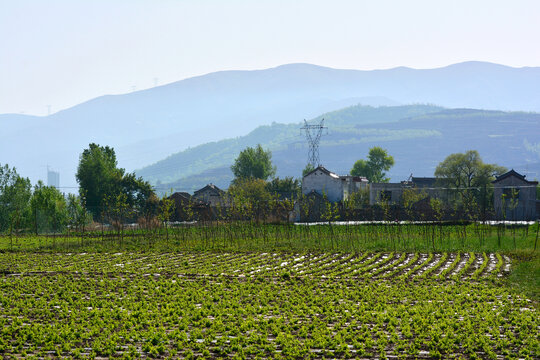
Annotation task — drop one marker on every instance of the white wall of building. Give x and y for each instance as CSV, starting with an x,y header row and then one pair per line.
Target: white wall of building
x,y
329,184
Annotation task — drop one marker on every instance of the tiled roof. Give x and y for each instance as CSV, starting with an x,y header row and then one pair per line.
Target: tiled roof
x,y
211,187
336,176
321,168
515,174
185,197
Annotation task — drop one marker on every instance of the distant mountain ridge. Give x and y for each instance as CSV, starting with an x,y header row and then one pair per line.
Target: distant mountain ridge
x,y
147,126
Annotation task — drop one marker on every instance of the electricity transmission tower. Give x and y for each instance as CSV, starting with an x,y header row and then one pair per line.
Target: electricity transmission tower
x,y
313,135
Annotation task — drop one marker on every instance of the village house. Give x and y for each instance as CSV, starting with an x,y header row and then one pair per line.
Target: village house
x,y
187,208
334,187
515,197
211,195
389,192
393,192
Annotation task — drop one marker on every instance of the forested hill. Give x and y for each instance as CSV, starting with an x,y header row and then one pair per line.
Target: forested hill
x,y
418,136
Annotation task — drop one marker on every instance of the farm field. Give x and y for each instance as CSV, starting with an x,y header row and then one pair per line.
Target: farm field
x,y
257,304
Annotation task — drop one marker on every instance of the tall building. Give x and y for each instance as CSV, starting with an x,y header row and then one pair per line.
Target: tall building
x,y
53,178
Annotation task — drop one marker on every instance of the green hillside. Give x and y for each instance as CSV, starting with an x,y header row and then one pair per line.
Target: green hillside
x,y
418,136
342,124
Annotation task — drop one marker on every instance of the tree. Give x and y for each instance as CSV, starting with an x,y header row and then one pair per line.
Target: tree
x,y
118,210
166,209
309,168
149,212
409,197
8,176
375,166
15,194
49,208
97,176
466,170
253,163
361,168
78,217
138,192
250,198
355,201
101,182
288,187
468,177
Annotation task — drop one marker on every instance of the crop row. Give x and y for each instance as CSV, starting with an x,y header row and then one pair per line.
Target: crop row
x,y
249,236
68,315
455,266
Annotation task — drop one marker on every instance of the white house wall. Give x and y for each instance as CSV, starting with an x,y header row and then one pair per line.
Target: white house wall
x,y
323,183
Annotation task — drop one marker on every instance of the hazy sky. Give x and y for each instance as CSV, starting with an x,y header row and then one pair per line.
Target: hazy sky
x,y
61,53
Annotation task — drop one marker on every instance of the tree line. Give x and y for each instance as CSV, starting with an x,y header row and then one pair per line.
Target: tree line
x,y
109,194
39,209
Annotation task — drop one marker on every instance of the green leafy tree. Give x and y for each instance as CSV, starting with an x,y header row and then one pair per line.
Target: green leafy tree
x,y
98,176
287,187
361,168
466,170
118,210
409,197
15,194
78,216
165,211
309,168
100,179
375,167
360,198
467,175
8,177
357,200
438,208
250,197
330,212
20,200
138,192
49,209
253,163
149,212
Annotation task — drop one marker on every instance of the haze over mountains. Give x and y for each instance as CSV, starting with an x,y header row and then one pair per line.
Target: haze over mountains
x,y
147,126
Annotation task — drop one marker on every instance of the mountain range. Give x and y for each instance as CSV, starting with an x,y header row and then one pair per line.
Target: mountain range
x,y
149,125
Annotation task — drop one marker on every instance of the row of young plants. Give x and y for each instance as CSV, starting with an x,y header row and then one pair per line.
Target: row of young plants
x,y
331,265
73,315
251,236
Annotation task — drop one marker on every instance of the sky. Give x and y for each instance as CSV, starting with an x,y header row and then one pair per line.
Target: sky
x,y
55,54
